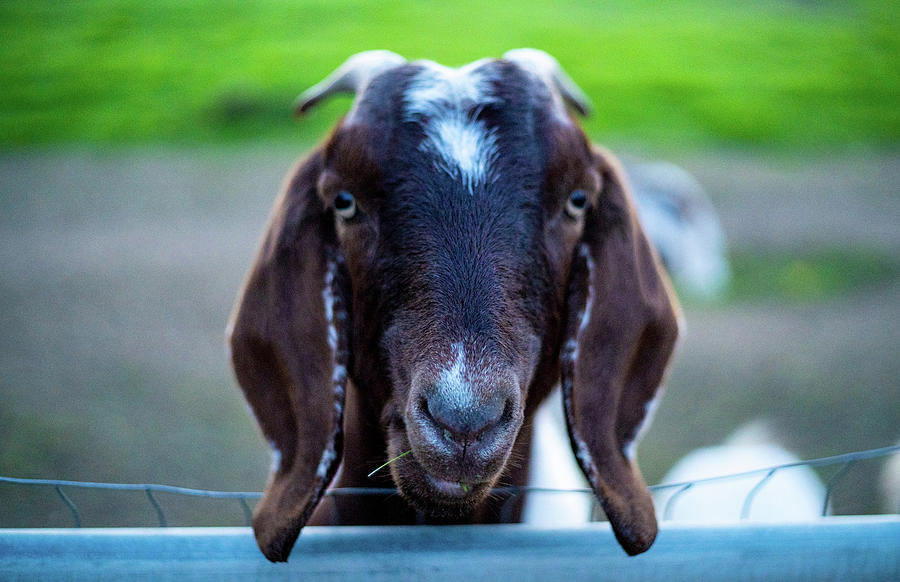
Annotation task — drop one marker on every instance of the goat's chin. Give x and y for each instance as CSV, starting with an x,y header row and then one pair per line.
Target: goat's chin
x,y
441,485
437,497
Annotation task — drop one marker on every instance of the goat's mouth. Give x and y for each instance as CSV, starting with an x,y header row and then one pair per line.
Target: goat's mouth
x,y
439,486
436,496
448,489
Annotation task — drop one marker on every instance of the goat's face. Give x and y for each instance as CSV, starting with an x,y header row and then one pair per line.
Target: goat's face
x,y
456,212
455,219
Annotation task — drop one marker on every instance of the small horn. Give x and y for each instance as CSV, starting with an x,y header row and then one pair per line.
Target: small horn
x,y
548,68
351,77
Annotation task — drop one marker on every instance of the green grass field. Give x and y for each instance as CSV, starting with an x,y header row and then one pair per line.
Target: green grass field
x,y
701,73
808,277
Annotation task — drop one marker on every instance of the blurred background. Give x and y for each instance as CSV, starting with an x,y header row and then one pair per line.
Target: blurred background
x,y
142,144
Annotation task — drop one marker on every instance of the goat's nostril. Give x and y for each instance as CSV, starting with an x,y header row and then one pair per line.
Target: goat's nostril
x,y
464,424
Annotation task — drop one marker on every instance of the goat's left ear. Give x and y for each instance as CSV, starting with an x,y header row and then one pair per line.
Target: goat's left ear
x,y
620,333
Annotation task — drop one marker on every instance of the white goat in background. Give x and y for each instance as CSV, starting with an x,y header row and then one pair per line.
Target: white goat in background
x,y
791,494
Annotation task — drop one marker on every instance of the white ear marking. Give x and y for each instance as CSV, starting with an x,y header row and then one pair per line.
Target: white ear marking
x,y
589,301
339,374
276,457
630,448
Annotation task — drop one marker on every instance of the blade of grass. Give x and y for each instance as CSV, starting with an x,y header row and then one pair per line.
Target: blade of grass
x,y
389,462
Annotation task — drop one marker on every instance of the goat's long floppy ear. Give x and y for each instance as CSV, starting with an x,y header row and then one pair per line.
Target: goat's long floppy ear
x,y
289,352
621,331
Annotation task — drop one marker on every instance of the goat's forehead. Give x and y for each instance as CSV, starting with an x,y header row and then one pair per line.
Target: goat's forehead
x,y
445,102
450,120
434,88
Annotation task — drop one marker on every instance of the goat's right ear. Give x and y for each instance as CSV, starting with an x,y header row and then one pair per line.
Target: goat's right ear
x,y
289,351
621,330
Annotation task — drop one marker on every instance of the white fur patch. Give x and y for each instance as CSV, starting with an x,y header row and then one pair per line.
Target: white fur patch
x,y
328,301
457,371
327,459
630,449
571,348
339,374
589,302
446,101
453,385
276,457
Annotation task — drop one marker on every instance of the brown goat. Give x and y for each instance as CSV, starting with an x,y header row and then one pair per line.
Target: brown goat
x,y
454,251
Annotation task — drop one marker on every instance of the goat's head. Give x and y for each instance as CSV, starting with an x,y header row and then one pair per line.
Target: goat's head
x,y
456,248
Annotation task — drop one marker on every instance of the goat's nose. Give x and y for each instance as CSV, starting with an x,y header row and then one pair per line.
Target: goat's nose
x,y
465,423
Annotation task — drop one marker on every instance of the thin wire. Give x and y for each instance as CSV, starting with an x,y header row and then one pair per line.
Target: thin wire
x,y
72,507
160,516
248,515
506,510
748,500
848,459
667,512
833,460
832,482
137,487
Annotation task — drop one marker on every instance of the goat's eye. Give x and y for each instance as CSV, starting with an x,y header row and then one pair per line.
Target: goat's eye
x,y
576,203
345,205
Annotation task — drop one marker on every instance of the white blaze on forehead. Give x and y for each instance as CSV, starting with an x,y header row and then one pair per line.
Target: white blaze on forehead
x,y
436,83
446,101
465,149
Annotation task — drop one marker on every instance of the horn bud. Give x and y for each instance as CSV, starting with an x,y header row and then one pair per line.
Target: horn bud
x,y
549,70
351,77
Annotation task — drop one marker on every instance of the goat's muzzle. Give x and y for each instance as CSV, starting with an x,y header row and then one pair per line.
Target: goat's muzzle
x,y
461,427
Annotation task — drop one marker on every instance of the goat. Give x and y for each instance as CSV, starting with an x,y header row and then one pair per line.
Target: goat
x,y
454,250
680,219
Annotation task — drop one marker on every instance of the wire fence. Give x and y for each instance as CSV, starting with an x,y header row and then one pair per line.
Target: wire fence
x,y
846,463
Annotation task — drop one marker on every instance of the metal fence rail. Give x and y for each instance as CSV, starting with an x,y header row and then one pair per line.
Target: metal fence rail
x,y
861,549
847,462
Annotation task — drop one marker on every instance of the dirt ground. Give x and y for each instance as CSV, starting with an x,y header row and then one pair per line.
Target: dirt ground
x,y
118,271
